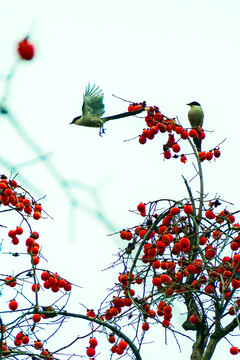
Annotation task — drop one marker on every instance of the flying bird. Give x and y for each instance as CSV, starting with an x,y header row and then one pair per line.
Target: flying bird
x,y
195,117
93,109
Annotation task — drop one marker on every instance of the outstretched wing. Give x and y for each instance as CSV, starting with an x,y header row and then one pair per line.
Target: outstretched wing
x,y
93,101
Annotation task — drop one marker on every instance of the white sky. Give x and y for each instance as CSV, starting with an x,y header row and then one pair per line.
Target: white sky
x,y
168,53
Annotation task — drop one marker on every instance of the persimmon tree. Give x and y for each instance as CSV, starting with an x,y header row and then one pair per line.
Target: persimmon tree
x,y
183,251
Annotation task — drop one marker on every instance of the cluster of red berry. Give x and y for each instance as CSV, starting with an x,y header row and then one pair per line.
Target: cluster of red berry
x,y
54,282
183,260
135,107
32,245
17,199
113,311
118,348
157,122
9,196
23,339
91,349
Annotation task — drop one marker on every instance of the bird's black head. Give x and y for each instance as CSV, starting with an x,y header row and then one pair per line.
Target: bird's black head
x,y
74,120
194,103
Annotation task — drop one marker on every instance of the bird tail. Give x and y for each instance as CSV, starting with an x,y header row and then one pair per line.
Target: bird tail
x,y
197,143
119,116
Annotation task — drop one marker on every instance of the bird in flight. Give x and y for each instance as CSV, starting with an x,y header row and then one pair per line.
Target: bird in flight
x,y
195,117
93,110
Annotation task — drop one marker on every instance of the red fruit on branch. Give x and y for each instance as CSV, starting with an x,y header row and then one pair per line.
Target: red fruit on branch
x,y
111,339
167,309
17,342
167,155
176,148
36,317
193,133
90,351
119,351
93,342
122,345
13,305
156,281
145,326
183,159
12,233
174,211
114,349
25,339
209,155
166,323
15,240
209,289
178,130
202,241
19,336
19,230
25,49
10,281
184,242
45,275
216,153
36,215
194,319
38,344
188,209
142,140
210,214
236,283
165,278
234,350
35,287
202,155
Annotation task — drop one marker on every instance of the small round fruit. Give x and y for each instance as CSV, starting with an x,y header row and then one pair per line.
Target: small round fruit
x,y
176,148
25,49
19,336
13,305
145,326
111,339
90,351
19,230
38,344
25,339
36,215
165,323
122,344
93,342
234,350
141,207
194,319
36,317
210,214
35,287
174,210
188,209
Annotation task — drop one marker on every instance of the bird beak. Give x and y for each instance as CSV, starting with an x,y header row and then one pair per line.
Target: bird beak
x,y
75,119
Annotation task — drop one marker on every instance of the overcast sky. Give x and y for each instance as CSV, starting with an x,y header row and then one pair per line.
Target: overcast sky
x,y
168,53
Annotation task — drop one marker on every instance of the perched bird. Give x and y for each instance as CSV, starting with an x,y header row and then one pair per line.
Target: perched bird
x,y
195,117
93,110
51,311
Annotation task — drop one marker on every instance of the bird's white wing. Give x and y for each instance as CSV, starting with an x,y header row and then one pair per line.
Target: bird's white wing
x,y
93,101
